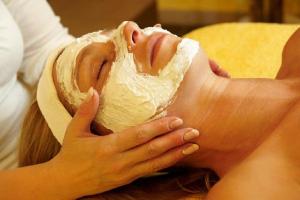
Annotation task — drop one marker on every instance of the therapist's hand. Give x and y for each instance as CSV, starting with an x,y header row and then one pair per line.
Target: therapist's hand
x,y
93,164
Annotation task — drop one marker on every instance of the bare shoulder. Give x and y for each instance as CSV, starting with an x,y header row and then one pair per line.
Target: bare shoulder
x,y
271,172
290,66
289,132
293,117
258,181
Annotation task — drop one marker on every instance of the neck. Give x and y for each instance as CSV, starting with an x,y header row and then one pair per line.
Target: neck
x,y
234,116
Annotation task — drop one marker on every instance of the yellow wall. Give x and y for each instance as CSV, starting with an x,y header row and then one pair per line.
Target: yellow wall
x,y
247,50
290,6
204,5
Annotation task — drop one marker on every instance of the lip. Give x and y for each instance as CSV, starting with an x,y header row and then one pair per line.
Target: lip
x,y
155,44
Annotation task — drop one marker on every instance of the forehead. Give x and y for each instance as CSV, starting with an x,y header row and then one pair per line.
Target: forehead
x,y
102,36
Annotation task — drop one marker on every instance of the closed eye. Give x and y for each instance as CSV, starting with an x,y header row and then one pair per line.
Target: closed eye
x,y
101,68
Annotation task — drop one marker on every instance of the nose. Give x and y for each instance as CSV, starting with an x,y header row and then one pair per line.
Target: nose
x,y
133,35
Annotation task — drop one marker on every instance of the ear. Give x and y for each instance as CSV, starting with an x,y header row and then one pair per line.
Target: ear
x,y
290,66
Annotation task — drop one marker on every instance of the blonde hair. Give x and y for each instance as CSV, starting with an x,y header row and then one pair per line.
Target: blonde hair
x,y
38,145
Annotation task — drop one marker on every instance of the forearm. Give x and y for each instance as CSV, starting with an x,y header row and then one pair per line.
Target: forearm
x,y
33,182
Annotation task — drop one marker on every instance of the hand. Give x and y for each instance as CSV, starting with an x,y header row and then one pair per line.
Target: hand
x,y
92,164
217,69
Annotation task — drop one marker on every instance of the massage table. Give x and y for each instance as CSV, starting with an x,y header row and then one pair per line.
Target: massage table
x,y
245,50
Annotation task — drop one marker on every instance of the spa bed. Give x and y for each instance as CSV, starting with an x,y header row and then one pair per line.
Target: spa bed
x,y
245,50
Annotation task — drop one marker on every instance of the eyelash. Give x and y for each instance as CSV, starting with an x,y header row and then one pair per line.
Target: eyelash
x,y
101,68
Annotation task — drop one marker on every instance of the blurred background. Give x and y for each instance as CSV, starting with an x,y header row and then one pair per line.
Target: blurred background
x,y
178,16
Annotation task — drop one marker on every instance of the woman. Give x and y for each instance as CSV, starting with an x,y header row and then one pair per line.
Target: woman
x,y
240,119
29,30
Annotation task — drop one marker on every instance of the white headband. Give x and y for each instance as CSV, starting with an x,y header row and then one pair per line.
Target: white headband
x,y
54,112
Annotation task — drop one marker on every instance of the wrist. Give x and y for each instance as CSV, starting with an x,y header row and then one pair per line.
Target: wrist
x,y
63,182
71,180
54,185
39,181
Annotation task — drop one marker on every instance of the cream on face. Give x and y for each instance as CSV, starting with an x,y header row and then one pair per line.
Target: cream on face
x,y
129,97
66,63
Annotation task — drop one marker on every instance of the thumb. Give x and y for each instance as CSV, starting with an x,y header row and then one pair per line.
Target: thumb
x,y
81,122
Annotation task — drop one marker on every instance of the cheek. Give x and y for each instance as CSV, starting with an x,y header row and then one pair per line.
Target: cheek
x,y
140,59
167,51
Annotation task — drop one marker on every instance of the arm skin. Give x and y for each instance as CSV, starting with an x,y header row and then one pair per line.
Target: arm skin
x,y
271,172
88,164
34,182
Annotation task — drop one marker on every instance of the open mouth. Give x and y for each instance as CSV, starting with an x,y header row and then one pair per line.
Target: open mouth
x,y
155,47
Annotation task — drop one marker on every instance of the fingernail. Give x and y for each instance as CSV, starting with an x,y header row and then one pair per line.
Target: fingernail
x,y
175,123
90,94
191,134
190,149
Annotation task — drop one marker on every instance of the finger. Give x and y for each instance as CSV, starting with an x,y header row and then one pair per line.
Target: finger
x,y
160,145
85,114
217,69
164,161
224,73
213,65
141,134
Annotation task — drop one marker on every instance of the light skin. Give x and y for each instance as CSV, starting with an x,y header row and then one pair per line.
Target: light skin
x,y
271,171
151,53
242,122
88,164
94,62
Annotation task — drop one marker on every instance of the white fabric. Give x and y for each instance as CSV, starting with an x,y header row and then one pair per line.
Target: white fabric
x,y
28,31
54,112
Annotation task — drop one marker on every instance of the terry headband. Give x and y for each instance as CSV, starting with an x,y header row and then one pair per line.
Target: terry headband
x,y
54,112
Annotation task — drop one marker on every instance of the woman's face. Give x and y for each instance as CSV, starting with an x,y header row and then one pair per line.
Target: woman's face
x,y
151,54
137,71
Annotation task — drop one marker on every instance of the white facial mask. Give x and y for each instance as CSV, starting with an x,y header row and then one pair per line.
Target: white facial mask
x,y
66,63
129,98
